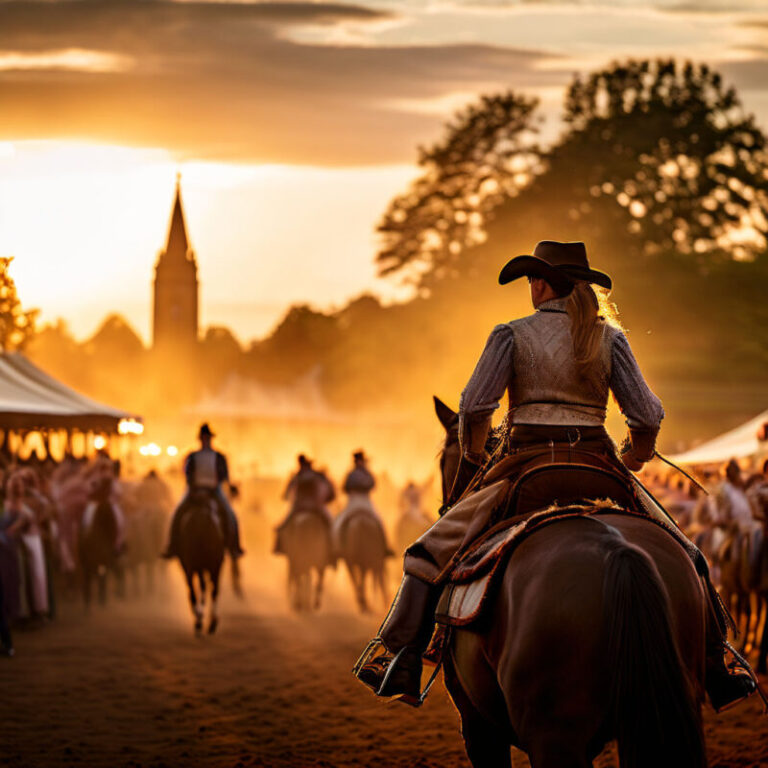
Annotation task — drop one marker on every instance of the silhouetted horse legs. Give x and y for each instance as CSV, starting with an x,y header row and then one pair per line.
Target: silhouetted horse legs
x,y
213,620
87,577
120,581
237,586
762,658
295,588
197,607
197,602
319,588
379,579
357,577
102,577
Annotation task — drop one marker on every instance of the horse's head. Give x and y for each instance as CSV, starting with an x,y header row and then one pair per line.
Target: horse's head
x,y
453,483
450,455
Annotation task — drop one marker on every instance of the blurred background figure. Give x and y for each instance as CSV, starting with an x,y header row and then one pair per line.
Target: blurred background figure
x,y
359,537
23,528
304,537
308,490
413,519
358,485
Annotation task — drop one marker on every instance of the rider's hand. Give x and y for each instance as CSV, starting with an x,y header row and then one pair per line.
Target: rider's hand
x,y
627,453
630,462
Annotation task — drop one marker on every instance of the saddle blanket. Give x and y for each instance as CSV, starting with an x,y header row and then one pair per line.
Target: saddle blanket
x,y
473,578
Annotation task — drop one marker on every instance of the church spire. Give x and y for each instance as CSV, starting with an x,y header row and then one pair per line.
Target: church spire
x,y
177,245
175,319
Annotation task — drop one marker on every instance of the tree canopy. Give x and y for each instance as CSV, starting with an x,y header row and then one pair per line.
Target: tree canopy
x,y
17,325
489,153
658,154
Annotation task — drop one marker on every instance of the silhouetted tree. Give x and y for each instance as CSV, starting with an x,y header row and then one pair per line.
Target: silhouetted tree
x,y
219,356
17,325
300,343
115,342
488,155
672,146
55,349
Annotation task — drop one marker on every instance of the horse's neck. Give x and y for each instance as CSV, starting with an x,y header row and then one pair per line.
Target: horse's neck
x,y
104,515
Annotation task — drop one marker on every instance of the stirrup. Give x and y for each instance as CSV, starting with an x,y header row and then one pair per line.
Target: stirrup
x,y
739,662
376,649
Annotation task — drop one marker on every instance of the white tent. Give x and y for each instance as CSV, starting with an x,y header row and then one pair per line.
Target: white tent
x,y
739,443
31,399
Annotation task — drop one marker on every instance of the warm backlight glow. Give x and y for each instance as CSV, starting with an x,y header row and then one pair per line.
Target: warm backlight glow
x,y
74,59
130,427
85,223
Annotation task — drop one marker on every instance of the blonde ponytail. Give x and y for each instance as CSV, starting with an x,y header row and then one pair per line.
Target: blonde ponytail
x,y
589,310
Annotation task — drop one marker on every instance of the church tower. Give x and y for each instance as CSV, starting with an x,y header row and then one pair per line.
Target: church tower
x,y
175,318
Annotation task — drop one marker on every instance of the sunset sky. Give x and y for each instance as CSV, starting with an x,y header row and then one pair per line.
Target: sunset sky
x,y
293,124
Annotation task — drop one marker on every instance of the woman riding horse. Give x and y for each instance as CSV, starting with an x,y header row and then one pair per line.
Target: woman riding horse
x,y
559,365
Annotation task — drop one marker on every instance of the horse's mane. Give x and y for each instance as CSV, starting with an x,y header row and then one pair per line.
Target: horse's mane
x,y
494,442
497,440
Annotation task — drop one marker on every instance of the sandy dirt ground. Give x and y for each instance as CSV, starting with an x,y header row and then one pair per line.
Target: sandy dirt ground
x,y
129,685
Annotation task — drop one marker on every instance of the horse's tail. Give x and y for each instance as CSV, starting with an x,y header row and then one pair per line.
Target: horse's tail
x,y
653,705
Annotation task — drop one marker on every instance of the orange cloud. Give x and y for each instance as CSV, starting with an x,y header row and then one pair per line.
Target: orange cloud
x,y
210,79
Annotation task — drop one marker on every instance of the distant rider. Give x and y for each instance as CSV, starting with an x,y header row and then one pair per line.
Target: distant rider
x,y
308,490
358,486
205,471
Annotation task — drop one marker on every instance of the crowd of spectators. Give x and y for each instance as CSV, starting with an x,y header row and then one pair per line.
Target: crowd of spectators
x,y
43,505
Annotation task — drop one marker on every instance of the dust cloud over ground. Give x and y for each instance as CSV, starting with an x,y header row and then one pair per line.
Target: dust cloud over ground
x,y
129,686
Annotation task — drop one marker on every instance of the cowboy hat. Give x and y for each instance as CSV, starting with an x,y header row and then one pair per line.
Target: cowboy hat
x,y
560,264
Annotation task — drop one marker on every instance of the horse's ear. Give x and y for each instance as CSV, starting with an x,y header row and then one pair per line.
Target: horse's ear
x,y
445,415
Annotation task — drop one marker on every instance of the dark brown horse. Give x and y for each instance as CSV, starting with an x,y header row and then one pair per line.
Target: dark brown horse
x,y
97,547
363,547
307,545
201,554
595,633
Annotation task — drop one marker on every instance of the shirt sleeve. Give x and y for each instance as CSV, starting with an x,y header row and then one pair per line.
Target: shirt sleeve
x,y
642,409
490,378
189,469
222,468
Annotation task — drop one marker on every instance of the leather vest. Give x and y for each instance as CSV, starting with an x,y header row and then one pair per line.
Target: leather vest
x,y
545,386
205,471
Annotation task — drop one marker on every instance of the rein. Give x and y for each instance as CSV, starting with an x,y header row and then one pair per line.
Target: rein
x,y
681,471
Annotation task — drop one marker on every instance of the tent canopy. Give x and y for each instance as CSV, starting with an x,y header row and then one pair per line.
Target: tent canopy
x,y
31,399
739,443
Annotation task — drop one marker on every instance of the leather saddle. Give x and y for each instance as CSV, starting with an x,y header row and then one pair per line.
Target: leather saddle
x,y
562,484
542,493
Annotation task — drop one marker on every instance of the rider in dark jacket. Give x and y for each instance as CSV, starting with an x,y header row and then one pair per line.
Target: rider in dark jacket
x,y
308,490
205,471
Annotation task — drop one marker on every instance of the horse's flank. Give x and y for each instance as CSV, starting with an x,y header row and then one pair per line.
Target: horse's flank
x,y
541,669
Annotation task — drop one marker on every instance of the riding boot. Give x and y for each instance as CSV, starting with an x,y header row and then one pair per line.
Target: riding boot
x,y
726,685
234,539
393,665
